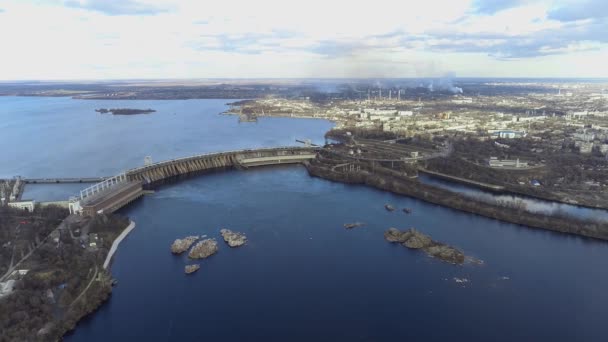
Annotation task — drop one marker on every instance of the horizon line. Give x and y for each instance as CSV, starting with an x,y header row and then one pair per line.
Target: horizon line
x,y
296,78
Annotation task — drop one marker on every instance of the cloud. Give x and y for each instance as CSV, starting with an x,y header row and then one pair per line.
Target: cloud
x,y
245,43
489,7
580,10
116,7
245,38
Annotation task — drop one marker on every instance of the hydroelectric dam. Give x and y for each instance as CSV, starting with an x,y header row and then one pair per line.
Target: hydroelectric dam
x,y
115,192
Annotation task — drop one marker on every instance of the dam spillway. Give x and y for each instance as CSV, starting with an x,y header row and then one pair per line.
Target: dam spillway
x,y
153,173
115,192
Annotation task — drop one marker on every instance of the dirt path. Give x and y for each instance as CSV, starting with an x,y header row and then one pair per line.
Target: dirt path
x,y
86,288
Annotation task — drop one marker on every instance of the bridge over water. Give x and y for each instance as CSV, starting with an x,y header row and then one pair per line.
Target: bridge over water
x,y
115,192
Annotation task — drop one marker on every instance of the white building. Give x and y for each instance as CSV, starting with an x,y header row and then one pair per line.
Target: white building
x,y
495,162
25,205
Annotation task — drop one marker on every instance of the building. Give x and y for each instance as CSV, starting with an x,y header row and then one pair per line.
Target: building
x,y
109,200
584,147
463,100
25,205
507,134
495,162
584,136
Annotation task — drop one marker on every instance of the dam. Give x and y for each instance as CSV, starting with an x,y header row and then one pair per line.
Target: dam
x,y
115,192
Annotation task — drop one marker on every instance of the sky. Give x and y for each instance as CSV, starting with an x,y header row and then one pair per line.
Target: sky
x,y
160,39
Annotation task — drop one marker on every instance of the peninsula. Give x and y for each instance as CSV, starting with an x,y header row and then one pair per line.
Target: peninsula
x,y
124,111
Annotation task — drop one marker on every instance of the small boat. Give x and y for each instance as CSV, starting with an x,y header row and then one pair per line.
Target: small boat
x,y
114,282
353,225
407,210
389,207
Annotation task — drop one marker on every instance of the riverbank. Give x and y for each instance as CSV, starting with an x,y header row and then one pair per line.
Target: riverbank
x,y
117,242
405,186
505,190
339,123
61,280
548,186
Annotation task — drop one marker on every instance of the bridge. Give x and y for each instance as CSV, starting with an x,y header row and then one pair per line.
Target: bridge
x,y
115,192
63,180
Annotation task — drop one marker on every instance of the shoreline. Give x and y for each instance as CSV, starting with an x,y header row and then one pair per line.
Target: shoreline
x,y
503,190
336,122
455,201
117,242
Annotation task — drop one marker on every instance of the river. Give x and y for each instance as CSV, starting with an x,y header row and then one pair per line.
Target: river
x,y
534,205
301,276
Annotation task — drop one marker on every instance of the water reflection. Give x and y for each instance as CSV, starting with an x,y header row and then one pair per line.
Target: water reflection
x,y
530,204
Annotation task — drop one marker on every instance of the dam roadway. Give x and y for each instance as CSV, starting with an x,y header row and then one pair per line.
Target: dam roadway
x,y
115,192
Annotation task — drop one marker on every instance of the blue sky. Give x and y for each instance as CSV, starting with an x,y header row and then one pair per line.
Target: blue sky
x,y
116,39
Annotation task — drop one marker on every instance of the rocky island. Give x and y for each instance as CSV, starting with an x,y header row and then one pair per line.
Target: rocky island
x,y
203,249
233,239
189,269
414,239
181,245
124,111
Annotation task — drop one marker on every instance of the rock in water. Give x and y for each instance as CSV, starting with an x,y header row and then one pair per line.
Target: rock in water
x,y
414,239
233,239
181,245
191,268
446,253
203,249
394,235
417,240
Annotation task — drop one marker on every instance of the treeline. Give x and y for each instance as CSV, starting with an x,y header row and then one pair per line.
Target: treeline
x,y
435,195
43,306
20,230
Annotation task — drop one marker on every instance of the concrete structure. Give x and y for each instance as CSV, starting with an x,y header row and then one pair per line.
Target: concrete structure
x,y
63,180
6,288
495,162
116,192
99,187
117,242
25,205
507,134
112,199
584,147
242,158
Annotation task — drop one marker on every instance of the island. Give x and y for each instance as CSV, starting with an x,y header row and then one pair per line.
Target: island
x,y
189,269
124,111
233,239
181,245
203,249
414,239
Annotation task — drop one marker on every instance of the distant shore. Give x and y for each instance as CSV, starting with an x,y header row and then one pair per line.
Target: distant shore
x,y
408,187
124,111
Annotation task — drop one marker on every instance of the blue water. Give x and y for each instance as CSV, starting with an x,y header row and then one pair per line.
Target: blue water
x,y
44,137
62,137
302,276
530,204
